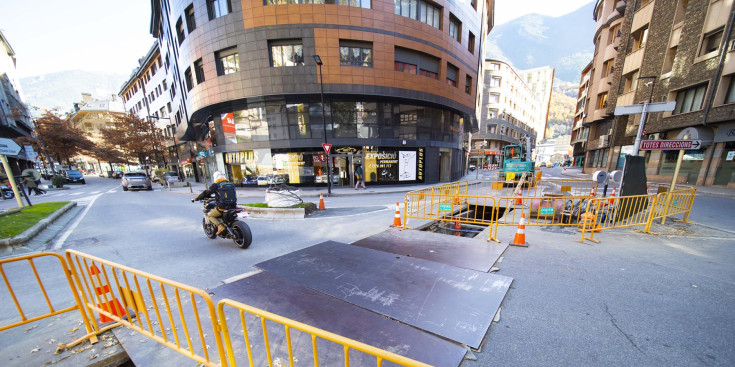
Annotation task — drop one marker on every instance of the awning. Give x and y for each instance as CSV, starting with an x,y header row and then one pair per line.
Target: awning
x,y
703,133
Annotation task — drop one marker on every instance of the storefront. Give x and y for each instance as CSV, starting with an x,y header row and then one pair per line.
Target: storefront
x,y
308,166
725,160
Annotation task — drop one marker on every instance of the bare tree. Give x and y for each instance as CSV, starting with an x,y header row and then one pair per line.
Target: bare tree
x,y
63,141
135,138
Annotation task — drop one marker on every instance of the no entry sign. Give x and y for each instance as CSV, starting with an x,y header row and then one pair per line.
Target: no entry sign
x,y
670,144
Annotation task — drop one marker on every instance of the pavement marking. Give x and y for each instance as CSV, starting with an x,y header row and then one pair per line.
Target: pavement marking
x,y
62,239
95,192
77,193
241,276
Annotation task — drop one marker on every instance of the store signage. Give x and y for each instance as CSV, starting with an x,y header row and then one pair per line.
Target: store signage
x,y
345,150
228,123
326,147
725,133
241,157
670,144
445,207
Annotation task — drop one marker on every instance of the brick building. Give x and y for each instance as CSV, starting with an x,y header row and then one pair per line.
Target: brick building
x,y
674,50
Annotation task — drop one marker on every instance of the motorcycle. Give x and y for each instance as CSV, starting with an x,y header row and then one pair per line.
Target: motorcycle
x,y
238,231
7,192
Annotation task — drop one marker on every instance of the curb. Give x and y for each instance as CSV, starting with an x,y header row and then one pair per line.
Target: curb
x,y
29,233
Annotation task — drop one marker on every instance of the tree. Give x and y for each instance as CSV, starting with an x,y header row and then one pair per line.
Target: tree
x,y
62,140
135,138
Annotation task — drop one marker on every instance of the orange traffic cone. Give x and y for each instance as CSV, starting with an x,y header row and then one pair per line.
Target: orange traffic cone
x,y
519,200
397,218
612,197
520,237
104,294
593,191
321,201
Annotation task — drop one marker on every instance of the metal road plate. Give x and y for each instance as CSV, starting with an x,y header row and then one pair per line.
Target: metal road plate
x,y
458,251
455,303
297,302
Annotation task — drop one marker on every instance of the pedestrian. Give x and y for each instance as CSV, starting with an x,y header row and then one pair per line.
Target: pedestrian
x,y
32,179
359,177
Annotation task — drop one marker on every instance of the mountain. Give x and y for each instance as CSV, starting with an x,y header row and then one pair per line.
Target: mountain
x,y
564,43
61,89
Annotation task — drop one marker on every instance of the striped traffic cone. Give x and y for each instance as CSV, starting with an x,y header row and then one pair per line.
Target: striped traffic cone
x,y
321,201
612,197
104,294
397,218
520,237
519,200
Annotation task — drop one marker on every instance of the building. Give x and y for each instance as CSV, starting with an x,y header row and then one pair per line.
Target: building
x,y
541,82
682,51
555,150
398,80
509,112
149,95
91,116
580,131
14,117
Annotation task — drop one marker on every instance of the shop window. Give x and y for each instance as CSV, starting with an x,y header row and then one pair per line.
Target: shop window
x,y
228,61
690,99
286,53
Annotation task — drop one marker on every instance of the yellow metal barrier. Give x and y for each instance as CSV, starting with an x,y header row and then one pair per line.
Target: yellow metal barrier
x,y
264,352
540,210
619,212
675,202
104,285
565,188
33,297
465,209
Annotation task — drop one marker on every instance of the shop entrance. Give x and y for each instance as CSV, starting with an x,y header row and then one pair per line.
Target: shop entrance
x,y
342,171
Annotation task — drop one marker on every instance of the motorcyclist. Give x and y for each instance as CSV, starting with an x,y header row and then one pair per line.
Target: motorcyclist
x,y
220,181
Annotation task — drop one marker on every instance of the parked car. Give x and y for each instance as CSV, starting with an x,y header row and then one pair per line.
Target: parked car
x,y
472,167
136,180
250,180
171,176
262,180
117,174
72,176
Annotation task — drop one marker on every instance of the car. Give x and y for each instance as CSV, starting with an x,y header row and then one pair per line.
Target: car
x,y
250,180
262,180
171,176
73,175
472,167
136,180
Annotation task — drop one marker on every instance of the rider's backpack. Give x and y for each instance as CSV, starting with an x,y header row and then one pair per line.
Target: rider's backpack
x,y
227,197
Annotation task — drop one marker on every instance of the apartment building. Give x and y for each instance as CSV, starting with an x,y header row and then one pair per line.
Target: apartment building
x,y
682,51
14,118
398,80
510,111
91,116
580,131
541,82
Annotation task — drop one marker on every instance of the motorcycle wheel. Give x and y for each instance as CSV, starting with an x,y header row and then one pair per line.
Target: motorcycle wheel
x,y
209,230
242,235
7,194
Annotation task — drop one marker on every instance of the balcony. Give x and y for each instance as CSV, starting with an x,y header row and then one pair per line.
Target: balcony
x,y
626,98
642,17
633,61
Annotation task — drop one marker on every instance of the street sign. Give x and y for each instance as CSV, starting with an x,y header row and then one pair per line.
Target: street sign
x,y
546,211
638,108
8,147
445,207
202,153
670,144
326,147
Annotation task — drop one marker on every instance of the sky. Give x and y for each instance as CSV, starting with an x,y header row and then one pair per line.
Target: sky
x,y
110,36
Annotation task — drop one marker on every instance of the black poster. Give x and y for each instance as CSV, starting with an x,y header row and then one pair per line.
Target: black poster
x,y
634,176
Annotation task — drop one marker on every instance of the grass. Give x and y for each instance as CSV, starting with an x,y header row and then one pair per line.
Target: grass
x,y
16,223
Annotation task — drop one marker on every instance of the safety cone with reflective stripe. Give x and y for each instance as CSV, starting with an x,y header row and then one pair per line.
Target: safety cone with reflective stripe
x,y
105,295
519,200
397,218
612,197
520,237
321,201
593,191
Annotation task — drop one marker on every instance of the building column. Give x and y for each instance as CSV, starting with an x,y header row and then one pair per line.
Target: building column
x,y
713,154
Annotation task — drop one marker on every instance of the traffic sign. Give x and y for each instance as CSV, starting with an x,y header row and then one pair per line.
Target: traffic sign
x,y
326,147
202,153
638,108
8,147
670,144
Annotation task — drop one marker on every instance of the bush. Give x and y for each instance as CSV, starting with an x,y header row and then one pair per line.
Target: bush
x,y
58,181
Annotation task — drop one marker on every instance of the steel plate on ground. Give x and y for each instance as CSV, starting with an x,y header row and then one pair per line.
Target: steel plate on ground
x,y
298,302
458,251
452,302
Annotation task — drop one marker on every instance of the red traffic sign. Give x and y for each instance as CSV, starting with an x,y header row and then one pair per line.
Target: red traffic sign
x,y
326,147
670,144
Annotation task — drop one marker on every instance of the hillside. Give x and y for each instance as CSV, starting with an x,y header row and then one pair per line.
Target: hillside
x,y
561,114
60,90
564,43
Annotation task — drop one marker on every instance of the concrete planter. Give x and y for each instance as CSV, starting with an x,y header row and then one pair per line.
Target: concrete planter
x,y
274,213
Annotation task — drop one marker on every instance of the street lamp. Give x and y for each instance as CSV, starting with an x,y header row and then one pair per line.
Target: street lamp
x,y
318,61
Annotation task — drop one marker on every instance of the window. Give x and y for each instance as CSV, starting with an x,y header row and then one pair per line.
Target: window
x,y
614,33
365,4
405,67
730,96
639,38
168,107
199,71
455,28
495,81
607,67
669,60
423,11
191,23
286,53
601,100
452,72
165,85
690,99
468,84
429,74
681,9
218,8
493,98
354,53
228,61
711,42
494,66
471,43
415,62
180,31
492,113
631,81
187,77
